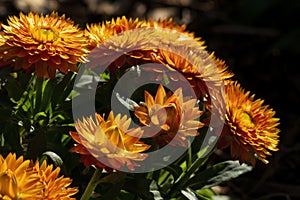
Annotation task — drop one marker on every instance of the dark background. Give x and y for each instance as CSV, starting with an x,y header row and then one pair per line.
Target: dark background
x,y
258,39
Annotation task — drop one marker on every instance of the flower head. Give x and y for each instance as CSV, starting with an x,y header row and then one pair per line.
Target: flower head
x,y
17,181
251,129
42,44
195,64
98,33
122,50
109,143
168,117
55,187
123,43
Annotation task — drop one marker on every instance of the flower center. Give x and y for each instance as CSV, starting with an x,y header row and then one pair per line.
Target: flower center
x,y
246,119
44,34
158,114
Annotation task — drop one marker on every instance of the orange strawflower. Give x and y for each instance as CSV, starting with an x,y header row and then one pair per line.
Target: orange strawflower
x,y
54,187
198,67
118,45
168,115
42,44
251,129
17,181
120,51
123,43
109,143
98,33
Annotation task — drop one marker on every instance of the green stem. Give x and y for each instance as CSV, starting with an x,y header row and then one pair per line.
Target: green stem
x,y
189,157
38,95
92,185
179,185
165,178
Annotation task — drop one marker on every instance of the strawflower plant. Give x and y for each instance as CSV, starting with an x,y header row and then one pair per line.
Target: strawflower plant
x,y
121,109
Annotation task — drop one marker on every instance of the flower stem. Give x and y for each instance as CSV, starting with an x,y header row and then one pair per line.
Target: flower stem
x,y
180,184
92,185
39,91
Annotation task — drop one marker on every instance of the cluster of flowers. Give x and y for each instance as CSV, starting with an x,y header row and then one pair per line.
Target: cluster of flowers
x,y
23,179
51,43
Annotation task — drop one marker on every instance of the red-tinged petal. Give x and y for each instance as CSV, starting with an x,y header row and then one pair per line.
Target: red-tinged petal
x,y
75,136
41,70
45,56
56,60
80,149
34,58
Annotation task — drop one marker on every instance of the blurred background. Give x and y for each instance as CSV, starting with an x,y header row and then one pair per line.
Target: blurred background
x,y
258,39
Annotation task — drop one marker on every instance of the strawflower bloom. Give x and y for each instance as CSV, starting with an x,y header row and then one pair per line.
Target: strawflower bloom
x,y
17,181
196,65
251,129
136,46
168,116
121,51
122,43
100,32
55,186
42,44
109,143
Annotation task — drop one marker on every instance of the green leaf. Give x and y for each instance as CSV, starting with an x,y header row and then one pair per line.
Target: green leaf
x,y
63,88
154,190
40,116
47,94
70,160
205,194
189,194
175,170
165,181
193,168
54,157
217,174
128,103
38,95
223,197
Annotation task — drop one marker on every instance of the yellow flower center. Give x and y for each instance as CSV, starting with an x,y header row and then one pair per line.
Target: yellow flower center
x,y
44,34
8,184
246,119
